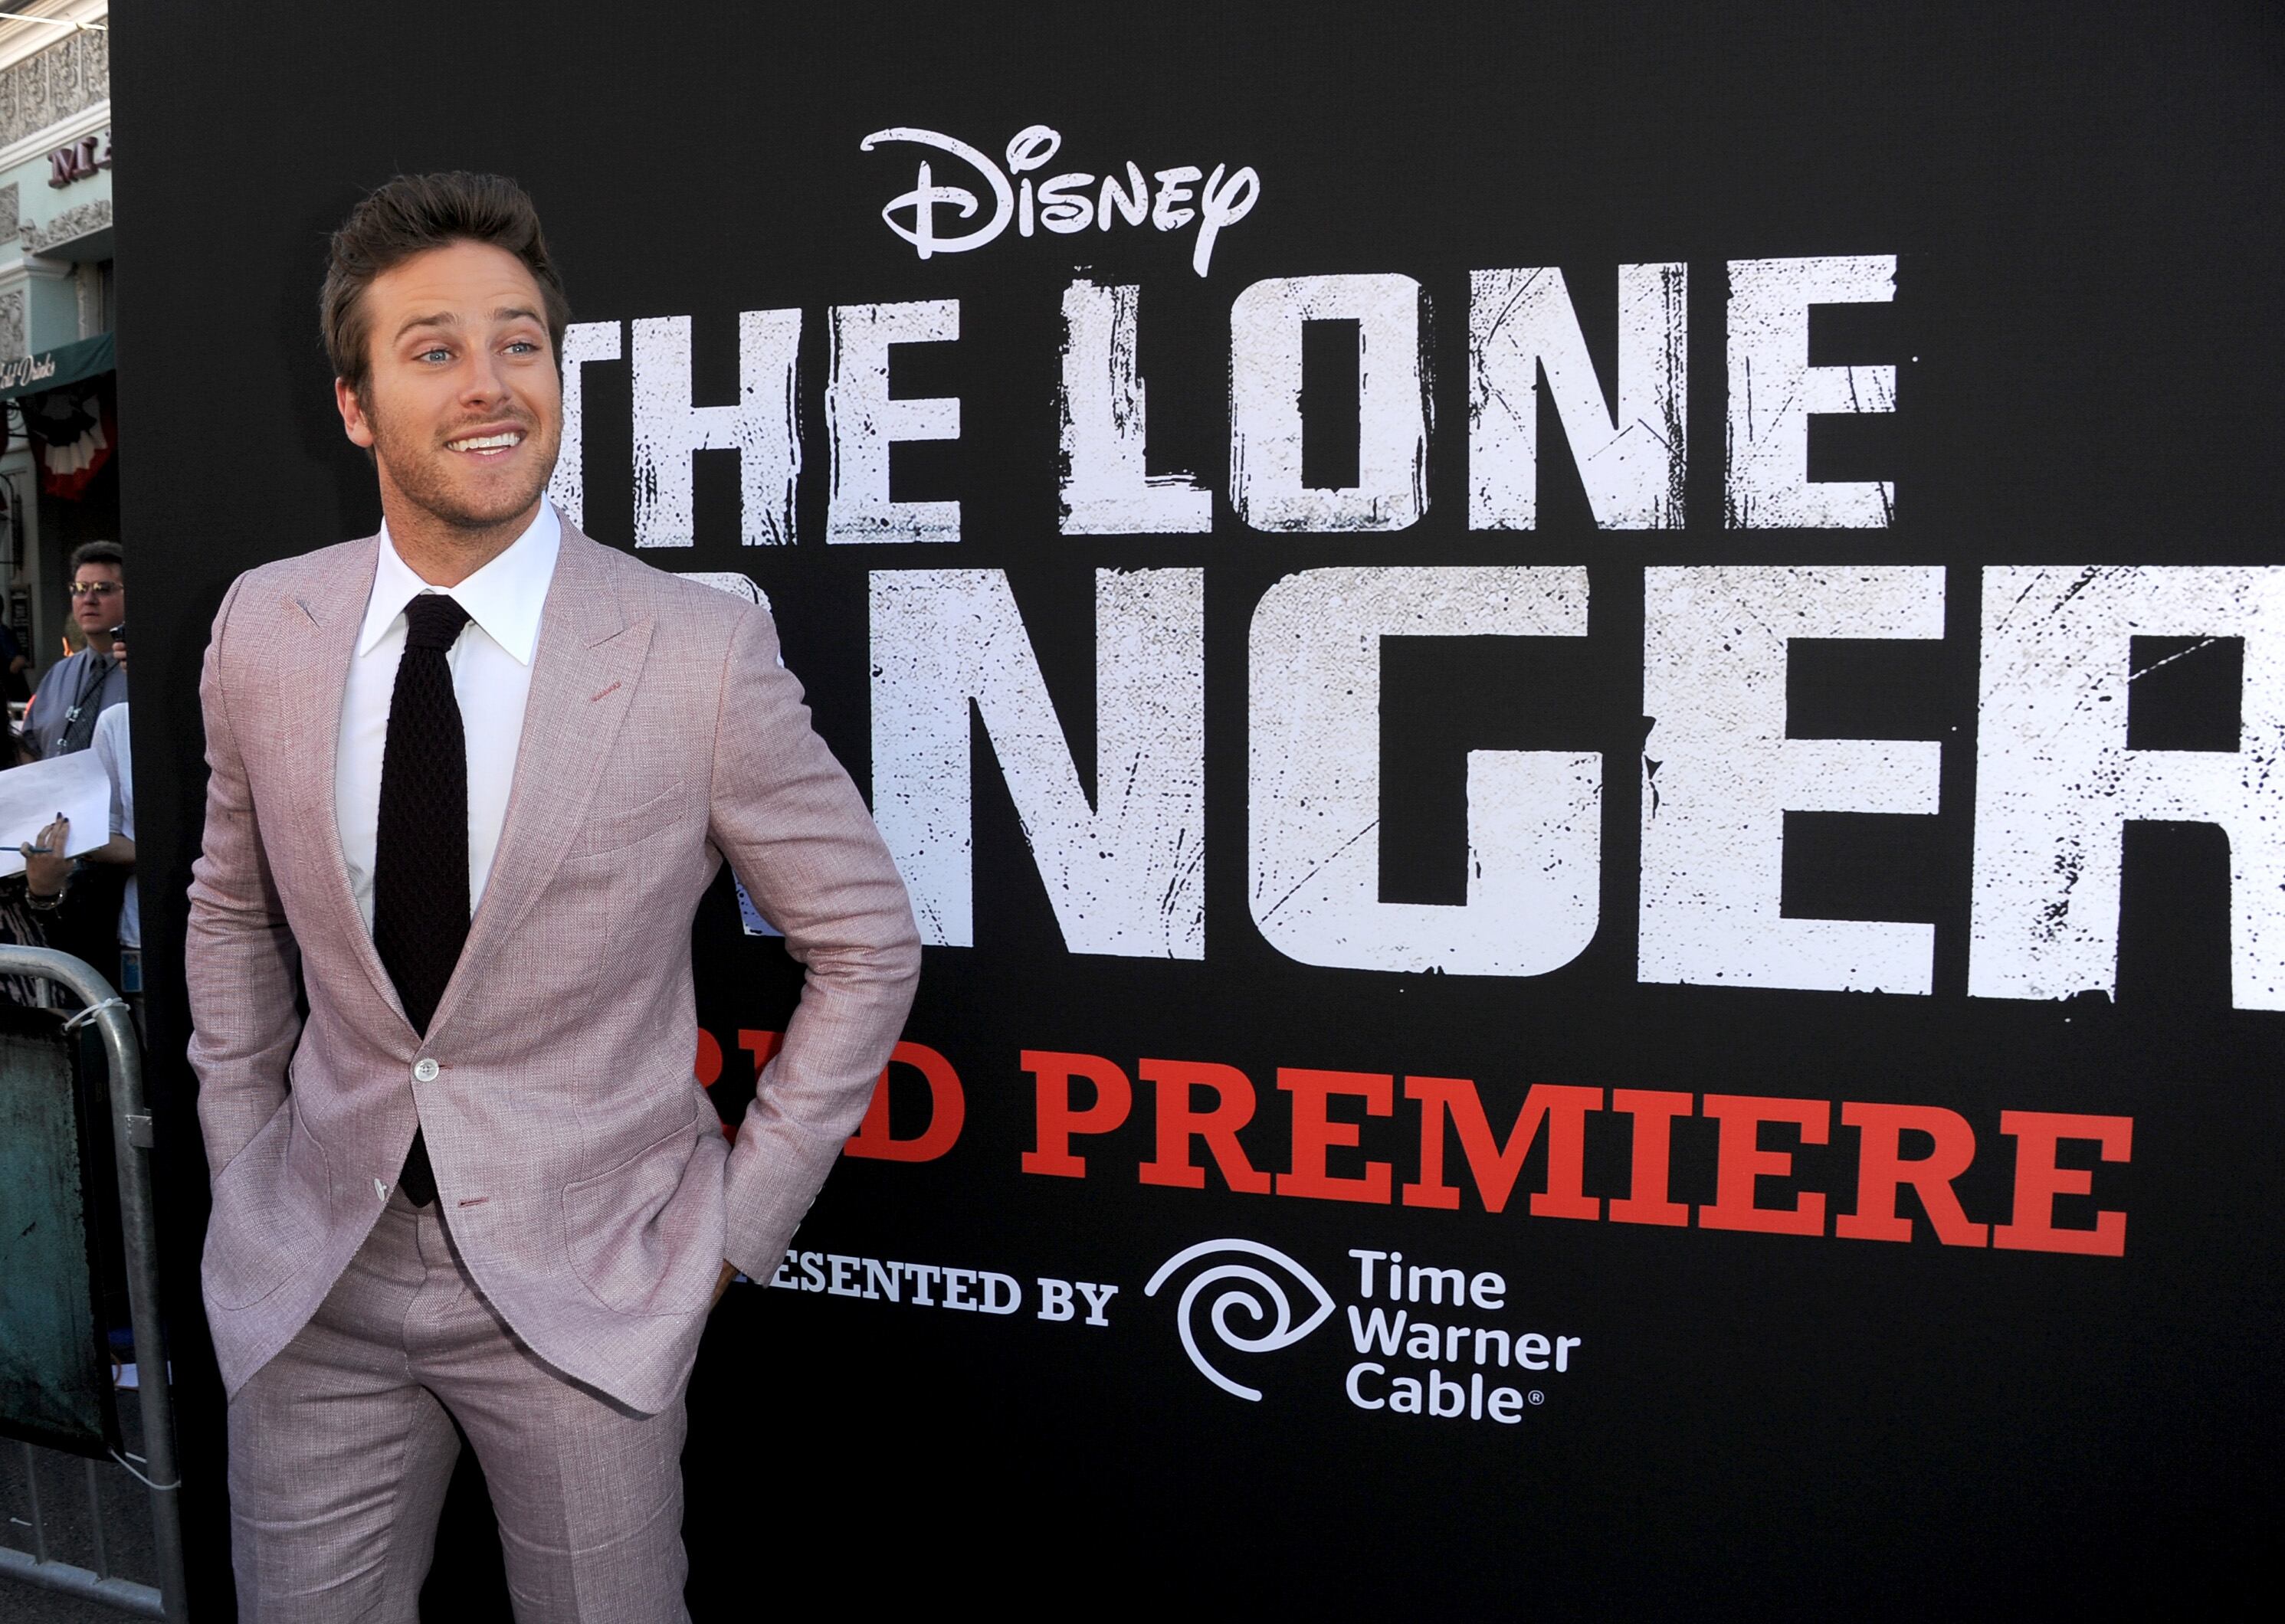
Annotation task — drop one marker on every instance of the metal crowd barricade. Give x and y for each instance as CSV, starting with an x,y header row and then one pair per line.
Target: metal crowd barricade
x,y
131,1139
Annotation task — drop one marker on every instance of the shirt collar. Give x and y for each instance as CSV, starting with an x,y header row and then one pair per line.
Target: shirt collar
x,y
505,597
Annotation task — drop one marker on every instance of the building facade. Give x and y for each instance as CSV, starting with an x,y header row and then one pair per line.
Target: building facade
x,y
58,475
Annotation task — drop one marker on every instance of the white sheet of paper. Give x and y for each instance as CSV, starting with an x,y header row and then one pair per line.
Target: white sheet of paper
x,y
30,796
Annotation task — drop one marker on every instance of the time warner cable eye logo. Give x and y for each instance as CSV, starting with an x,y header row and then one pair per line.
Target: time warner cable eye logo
x,y
1260,1296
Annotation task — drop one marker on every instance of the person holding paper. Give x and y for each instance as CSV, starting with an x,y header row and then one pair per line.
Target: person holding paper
x,y
74,878
20,926
38,800
57,883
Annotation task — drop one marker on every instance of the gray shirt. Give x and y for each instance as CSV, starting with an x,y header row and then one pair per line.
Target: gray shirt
x,y
88,678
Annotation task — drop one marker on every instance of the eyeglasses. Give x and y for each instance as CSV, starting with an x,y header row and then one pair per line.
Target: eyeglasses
x,y
93,589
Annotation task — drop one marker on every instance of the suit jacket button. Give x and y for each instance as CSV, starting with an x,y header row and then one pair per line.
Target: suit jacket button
x,y
424,1071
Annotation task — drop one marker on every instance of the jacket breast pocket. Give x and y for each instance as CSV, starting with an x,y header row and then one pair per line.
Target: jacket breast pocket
x,y
647,1237
599,897
615,830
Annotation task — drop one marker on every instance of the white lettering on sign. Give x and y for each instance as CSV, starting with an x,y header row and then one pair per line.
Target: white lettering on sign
x,y
1632,459
2058,774
583,342
2057,781
1105,491
1266,486
1720,775
944,215
1534,817
1774,391
924,1285
1125,875
759,426
17,371
863,420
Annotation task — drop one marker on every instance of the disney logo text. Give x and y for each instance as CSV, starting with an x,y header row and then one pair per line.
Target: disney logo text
x,y
1060,202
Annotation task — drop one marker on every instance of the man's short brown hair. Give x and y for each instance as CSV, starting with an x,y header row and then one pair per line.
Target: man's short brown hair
x,y
411,215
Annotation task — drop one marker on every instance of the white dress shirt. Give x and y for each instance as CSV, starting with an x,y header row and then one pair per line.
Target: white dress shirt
x,y
111,749
492,678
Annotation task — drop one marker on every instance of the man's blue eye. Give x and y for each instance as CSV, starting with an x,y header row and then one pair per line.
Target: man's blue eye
x,y
524,344
434,355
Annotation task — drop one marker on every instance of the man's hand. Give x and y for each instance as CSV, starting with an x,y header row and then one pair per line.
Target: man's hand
x,y
729,1274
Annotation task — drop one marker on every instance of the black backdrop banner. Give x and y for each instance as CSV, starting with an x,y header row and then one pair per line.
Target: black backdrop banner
x,y
1583,703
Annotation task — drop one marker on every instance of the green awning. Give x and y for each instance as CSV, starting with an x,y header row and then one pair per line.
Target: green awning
x,y
52,369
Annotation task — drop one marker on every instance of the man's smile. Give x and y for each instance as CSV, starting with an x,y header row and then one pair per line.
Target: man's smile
x,y
488,445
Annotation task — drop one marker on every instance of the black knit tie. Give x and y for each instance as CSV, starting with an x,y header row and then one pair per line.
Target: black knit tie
x,y
420,852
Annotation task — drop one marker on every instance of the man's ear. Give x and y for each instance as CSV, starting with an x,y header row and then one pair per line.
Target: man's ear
x,y
355,423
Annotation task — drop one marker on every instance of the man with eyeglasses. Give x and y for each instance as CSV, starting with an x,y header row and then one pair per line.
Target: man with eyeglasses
x,y
81,686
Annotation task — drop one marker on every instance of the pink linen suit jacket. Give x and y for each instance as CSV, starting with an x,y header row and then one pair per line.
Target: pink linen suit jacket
x,y
579,1166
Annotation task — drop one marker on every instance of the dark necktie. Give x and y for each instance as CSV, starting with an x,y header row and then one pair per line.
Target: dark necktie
x,y
420,850
79,721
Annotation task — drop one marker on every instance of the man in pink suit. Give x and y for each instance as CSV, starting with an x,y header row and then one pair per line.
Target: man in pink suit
x,y
469,778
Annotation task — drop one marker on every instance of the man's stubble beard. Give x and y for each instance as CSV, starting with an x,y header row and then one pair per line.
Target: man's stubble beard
x,y
414,469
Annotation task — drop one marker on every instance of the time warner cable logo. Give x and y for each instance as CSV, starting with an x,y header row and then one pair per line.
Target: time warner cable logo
x,y
1456,1367
1251,1291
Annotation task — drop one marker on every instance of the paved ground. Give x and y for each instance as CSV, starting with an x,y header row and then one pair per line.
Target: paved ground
x,y
63,1492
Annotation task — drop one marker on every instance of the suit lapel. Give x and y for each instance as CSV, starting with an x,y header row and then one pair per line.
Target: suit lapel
x,y
582,680
312,668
